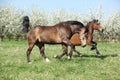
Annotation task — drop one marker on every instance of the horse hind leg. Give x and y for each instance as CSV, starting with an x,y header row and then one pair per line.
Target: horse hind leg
x,y
42,49
28,52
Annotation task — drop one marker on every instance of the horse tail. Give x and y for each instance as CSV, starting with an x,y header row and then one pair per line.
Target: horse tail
x,y
26,24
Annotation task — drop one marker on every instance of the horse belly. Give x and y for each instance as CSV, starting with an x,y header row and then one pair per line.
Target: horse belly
x,y
50,38
75,39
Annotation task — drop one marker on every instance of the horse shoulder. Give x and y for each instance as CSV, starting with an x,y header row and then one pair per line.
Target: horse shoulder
x,y
75,39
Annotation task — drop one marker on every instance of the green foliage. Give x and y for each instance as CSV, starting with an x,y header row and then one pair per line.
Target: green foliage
x,y
13,64
11,20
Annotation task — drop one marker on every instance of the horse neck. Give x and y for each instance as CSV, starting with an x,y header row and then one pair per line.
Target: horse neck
x,y
90,33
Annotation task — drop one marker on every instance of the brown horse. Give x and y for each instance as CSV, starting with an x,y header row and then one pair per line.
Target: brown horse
x,y
57,34
91,26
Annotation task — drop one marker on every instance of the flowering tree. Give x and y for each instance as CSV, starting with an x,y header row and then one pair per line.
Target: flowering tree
x,y
11,20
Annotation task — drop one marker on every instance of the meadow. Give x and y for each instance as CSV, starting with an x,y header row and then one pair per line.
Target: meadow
x,y
13,64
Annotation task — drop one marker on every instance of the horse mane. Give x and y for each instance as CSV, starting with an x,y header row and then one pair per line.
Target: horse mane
x,y
95,20
72,23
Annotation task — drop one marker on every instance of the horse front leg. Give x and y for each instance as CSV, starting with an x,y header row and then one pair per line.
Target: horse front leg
x,y
65,51
65,45
71,51
94,47
78,53
67,42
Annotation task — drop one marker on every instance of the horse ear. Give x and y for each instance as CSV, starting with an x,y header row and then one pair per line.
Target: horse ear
x,y
97,20
94,20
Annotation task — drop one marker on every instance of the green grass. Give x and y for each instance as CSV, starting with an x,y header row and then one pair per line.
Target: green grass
x,y
13,64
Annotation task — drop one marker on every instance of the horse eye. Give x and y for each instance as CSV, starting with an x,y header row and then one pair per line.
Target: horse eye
x,y
98,23
83,38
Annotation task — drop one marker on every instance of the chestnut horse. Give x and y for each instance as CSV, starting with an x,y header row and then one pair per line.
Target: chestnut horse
x,y
91,26
57,34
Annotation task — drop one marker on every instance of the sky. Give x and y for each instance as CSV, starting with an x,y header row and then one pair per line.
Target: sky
x,y
108,6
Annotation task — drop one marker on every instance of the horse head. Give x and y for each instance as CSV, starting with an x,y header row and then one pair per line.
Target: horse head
x,y
96,25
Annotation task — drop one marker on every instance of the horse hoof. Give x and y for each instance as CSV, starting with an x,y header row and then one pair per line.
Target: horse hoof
x,y
56,57
80,55
92,48
29,62
47,60
69,57
83,46
99,54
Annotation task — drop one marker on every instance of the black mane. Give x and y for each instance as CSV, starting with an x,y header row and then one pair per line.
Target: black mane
x,y
74,23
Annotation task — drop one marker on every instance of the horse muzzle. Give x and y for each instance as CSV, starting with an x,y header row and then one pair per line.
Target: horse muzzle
x,y
101,30
83,45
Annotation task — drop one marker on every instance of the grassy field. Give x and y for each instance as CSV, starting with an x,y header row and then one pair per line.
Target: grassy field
x,y
13,65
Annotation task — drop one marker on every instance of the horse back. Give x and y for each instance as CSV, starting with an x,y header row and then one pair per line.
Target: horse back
x,y
47,34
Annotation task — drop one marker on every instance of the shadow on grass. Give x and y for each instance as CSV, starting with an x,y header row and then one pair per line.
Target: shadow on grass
x,y
98,56
64,59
